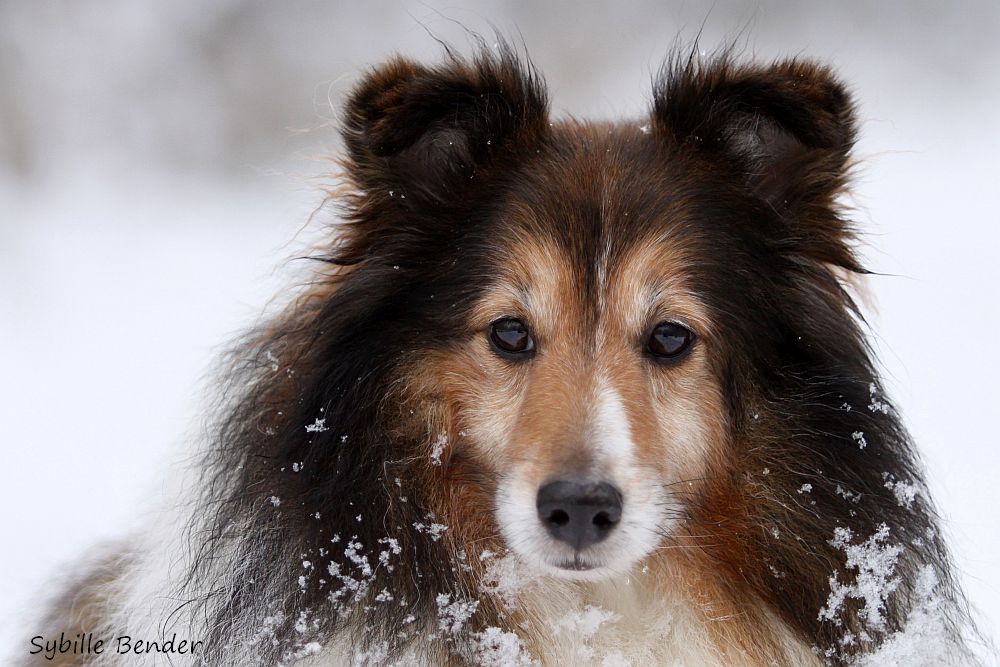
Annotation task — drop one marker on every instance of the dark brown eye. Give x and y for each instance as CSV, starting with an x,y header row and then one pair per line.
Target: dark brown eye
x,y
669,340
510,338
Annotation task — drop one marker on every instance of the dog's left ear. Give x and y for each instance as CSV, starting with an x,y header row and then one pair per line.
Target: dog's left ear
x,y
426,133
786,128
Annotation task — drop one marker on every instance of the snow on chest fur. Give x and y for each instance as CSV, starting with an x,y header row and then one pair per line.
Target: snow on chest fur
x,y
611,623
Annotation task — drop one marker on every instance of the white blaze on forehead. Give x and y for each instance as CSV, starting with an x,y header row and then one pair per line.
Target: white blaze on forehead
x,y
611,436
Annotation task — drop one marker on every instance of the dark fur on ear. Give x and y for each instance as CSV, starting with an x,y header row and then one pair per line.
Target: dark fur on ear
x,y
420,134
786,129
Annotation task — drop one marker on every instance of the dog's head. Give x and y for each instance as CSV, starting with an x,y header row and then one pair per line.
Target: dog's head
x,y
590,344
582,308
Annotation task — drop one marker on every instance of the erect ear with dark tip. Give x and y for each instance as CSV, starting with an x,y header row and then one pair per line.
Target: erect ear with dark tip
x,y
787,128
424,133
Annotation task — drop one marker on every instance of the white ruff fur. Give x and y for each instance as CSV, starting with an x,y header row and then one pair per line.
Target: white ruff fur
x,y
613,623
626,621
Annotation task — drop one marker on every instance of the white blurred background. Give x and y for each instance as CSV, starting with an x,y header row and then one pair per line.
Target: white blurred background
x,y
157,159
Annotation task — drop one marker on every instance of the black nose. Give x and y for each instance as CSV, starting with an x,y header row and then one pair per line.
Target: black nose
x,y
579,513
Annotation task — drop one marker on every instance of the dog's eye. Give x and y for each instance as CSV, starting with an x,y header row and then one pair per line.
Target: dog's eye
x,y
510,338
669,340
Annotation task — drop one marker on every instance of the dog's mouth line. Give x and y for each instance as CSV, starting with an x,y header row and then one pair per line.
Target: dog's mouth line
x,y
577,565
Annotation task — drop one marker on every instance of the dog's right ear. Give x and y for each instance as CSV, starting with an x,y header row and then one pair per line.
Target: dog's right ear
x,y
422,135
785,130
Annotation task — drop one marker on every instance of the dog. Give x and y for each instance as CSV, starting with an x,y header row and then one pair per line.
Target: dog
x,y
559,392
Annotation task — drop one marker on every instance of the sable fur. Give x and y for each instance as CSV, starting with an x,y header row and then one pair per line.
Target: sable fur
x,y
746,163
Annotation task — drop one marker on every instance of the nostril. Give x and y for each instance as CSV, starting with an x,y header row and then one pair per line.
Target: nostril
x,y
603,521
558,518
579,513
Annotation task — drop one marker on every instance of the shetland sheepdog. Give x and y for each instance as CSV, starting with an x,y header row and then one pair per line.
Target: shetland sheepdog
x,y
559,392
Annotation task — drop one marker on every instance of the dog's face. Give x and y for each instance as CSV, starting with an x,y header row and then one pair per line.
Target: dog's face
x,y
593,400
594,283
583,382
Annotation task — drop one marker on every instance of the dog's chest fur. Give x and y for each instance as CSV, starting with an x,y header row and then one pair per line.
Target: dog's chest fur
x,y
611,624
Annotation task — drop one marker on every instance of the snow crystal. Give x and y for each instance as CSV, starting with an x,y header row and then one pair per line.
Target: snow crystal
x,y
276,501
267,629
876,405
300,624
875,564
317,426
585,624
905,492
452,616
393,550
805,488
392,543
615,659
435,530
272,360
312,648
848,495
506,577
376,655
437,448
924,640
353,553
352,588
495,648
859,437
463,561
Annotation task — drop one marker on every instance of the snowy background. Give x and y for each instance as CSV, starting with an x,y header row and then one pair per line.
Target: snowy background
x,y
159,159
